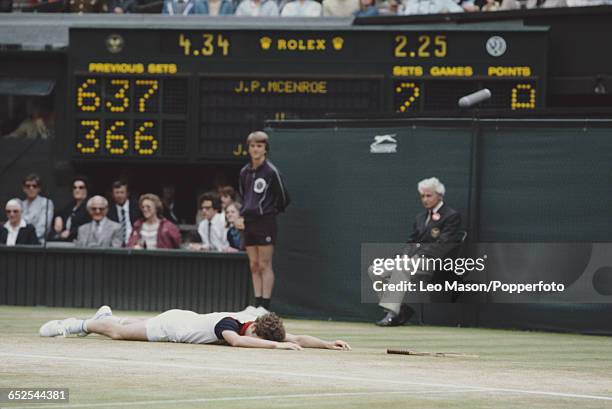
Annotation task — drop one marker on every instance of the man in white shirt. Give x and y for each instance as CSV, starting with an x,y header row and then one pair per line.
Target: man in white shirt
x,y
212,228
37,210
302,8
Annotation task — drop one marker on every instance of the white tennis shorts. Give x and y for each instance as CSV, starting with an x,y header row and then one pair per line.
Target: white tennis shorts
x,y
170,326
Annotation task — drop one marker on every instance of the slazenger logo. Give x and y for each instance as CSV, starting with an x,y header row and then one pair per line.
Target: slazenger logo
x,y
384,144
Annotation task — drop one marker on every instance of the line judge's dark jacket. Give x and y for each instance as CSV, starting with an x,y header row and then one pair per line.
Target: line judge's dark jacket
x,y
438,238
26,235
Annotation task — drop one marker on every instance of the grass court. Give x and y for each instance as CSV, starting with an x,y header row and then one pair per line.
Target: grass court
x,y
514,369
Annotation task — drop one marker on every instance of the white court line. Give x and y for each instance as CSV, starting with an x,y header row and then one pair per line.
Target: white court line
x,y
307,375
239,398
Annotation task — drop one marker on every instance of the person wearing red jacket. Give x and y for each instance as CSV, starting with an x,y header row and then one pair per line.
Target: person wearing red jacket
x,y
153,231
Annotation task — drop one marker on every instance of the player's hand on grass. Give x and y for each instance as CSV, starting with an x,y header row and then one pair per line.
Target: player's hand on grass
x,y
288,345
339,345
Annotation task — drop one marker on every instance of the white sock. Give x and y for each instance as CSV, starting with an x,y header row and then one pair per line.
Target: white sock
x,y
76,327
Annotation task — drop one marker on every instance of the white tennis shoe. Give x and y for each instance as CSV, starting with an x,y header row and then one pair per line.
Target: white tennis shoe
x,y
103,312
69,326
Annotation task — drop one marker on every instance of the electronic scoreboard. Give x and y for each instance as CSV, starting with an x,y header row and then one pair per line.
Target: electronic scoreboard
x,y
194,94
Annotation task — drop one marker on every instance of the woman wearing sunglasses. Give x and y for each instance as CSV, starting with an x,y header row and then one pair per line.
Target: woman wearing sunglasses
x,y
68,220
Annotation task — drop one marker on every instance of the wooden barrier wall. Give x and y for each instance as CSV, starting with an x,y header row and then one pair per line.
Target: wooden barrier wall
x,y
124,279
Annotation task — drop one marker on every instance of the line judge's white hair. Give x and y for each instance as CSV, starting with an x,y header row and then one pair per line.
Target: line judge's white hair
x,y
94,198
431,184
14,203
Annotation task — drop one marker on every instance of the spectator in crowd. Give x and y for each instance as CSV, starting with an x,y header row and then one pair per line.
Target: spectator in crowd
x,y
123,211
340,8
122,6
302,8
37,210
88,6
100,232
68,220
153,231
388,8
183,7
234,226
257,8
168,200
39,121
263,196
469,6
212,227
227,195
500,5
199,215
218,7
367,8
412,7
16,230
433,234
491,5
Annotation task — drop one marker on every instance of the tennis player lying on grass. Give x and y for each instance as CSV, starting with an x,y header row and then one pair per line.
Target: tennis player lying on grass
x,y
238,329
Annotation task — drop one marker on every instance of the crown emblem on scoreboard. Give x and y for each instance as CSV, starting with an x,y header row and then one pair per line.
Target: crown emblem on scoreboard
x,y
338,43
265,42
114,43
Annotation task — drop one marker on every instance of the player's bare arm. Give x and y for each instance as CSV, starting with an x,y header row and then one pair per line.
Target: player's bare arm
x,y
308,341
246,341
